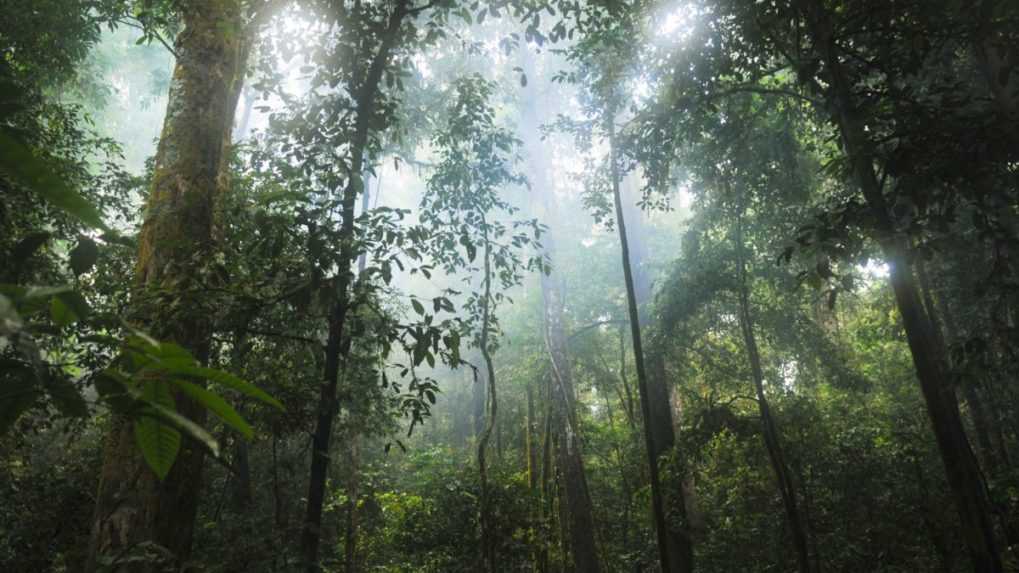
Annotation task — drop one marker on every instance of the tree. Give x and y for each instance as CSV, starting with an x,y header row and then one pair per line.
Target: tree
x,y
564,419
463,207
176,258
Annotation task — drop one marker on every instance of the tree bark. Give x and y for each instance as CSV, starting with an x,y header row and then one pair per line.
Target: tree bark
x,y
578,499
133,507
961,467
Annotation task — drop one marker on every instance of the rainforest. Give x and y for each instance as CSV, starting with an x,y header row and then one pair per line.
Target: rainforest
x,y
487,286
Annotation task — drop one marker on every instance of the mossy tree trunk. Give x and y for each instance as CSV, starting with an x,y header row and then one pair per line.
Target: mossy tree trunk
x,y
177,244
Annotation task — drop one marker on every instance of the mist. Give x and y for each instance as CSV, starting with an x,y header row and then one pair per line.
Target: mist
x,y
677,286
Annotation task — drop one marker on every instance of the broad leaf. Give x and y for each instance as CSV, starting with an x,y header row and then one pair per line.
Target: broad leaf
x,y
18,162
158,441
18,392
217,405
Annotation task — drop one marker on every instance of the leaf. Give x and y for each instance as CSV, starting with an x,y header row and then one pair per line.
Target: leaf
x,y
242,386
84,256
420,350
157,440
418,307
175,360
18,161
217,405
27,246
66,397
18,392
61,314
76,303
44,292
9,316
112,387
523,80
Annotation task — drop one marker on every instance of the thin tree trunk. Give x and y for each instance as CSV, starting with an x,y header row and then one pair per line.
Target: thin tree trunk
x,y
675,552
488,541
133,506
960,464
772,440
628,401
479,394
365,97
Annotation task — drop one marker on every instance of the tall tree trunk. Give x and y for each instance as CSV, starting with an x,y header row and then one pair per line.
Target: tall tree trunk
x,y
576,514
365,98
675,552
488,540
479,402
961,467
578,499
578,517
677,495
772,440
546,477
627,397
946,335
529,434
133,506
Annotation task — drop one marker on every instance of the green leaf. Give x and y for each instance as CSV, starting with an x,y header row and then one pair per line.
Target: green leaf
x,y
9,315
173,359
112,386
418,307
242,386
18,392
84,256
66,397
18,161
420,350
217,405
27,246
76,303
61,314
45,292
158,441
191,429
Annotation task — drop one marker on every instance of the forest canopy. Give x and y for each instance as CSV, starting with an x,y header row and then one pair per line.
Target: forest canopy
x,y
515,285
